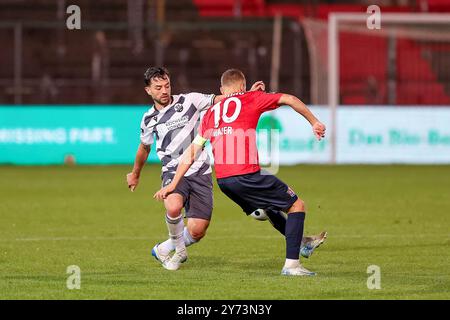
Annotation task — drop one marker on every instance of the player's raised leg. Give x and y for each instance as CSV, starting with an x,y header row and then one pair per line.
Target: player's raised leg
x,y
309,243
294,233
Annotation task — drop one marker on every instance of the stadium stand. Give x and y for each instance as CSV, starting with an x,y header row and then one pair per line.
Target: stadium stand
x,y
104,62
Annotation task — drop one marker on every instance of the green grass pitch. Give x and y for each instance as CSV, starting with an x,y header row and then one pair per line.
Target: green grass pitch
x,y
395,217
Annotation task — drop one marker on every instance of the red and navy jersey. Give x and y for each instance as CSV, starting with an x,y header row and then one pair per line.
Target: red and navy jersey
x,y
230,125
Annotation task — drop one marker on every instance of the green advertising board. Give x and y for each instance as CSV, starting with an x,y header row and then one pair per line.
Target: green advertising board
x,y
52,134
94,134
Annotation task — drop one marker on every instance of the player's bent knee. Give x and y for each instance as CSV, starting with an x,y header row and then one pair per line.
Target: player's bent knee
x,y
197,235
197,230
298,206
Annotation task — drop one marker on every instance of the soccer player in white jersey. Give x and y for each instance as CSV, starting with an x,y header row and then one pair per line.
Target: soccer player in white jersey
x,y
173,120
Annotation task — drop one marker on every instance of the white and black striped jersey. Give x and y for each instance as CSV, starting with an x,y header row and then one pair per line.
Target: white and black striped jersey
x,y
174,128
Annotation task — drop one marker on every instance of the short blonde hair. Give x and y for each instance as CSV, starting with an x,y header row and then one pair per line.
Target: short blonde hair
x,y
232,76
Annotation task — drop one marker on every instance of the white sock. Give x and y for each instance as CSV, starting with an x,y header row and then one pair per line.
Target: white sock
x,y
291,263
176,226
166,247
188,240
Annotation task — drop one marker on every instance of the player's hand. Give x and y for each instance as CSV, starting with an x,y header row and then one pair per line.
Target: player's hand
x,y
319,130
132,181
164,192
258,86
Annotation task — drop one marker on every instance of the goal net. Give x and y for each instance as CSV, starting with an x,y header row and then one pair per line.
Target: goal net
x,y
405,62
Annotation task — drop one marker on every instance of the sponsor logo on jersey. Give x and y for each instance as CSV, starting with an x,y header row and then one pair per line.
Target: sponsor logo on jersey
x,y
170,125
178,107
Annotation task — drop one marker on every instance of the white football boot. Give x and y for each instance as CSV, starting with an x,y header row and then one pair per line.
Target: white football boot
x,y
312,243
175,262
163,258
297,271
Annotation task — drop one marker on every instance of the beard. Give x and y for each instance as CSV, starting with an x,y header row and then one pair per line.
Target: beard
x,y
161,102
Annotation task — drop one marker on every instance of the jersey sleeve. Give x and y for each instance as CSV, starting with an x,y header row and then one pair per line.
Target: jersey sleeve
x,y
202,101
205,128
146,134
267,101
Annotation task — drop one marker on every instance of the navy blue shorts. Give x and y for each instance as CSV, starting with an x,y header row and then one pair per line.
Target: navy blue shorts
x,y
258,191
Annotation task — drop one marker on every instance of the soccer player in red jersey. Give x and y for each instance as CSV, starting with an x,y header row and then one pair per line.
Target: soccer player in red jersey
x,y
231,127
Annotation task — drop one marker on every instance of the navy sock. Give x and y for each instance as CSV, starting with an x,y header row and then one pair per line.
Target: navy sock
x,y
277,219
294,234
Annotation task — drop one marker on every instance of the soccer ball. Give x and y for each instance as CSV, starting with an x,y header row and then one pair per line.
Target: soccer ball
x,y
259,214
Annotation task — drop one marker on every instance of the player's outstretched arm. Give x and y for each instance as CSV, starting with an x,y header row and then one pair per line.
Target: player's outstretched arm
x,y
296,104
139,162
189,156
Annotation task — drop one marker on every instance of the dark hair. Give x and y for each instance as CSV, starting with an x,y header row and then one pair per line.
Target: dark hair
x,y
155,72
